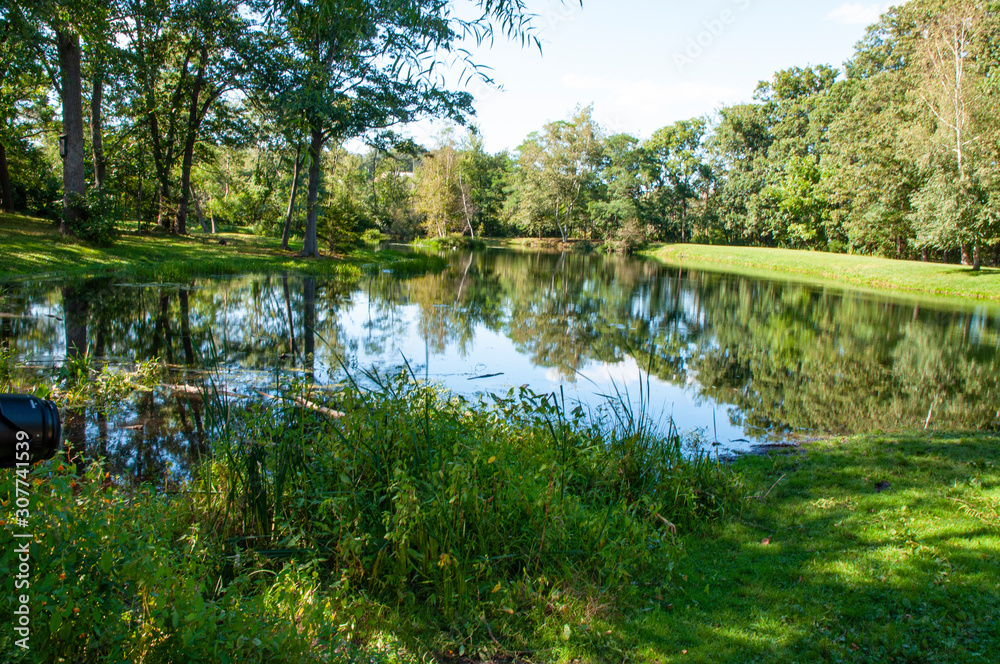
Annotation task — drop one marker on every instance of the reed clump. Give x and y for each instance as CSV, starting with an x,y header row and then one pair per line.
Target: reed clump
x,y
490,525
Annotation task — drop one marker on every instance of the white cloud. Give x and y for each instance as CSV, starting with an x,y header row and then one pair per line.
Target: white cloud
x,y
855,13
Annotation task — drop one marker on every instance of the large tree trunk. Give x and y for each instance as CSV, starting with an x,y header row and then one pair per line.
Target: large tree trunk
x,y
966,255
197,210
180,223
163,205
97,130
977,257
74,183
310,246
291,198
6,194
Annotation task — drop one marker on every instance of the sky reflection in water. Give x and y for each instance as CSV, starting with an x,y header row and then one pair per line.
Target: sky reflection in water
x,y
742,360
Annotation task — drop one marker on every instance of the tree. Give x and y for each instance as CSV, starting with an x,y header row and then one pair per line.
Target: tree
x,y
557,173
952,39
442,200
353,67
53,29
677,173
738,151
616,214
22,91
485,177
184,58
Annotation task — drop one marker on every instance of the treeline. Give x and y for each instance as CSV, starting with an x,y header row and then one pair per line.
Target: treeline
x,y
151,93
896,155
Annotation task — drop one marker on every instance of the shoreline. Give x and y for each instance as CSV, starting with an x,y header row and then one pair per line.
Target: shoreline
x,y
870,274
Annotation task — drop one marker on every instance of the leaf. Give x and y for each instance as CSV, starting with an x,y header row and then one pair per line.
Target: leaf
x,y
105,562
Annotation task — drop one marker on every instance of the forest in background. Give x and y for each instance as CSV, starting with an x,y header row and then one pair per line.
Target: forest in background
x,y
237,117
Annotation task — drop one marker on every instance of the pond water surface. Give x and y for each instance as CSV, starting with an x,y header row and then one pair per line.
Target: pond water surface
x,y
741,361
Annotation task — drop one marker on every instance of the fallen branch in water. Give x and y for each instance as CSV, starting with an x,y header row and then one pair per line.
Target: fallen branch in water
x,y
193,391
304,404
493,375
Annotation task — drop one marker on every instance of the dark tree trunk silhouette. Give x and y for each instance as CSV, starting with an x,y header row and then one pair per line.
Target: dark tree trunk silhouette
x,y
291,197
97,130
74,183
6,193
309,323
310,246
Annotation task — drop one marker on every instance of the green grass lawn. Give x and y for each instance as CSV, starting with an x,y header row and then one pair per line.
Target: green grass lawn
x,y
33,247
880,274
873,549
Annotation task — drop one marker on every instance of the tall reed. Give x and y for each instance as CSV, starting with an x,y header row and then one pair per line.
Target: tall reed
x,y
477,511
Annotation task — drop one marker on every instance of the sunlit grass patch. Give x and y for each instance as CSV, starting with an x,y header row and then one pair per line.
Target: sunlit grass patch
x,y
874,274
33,248
853,570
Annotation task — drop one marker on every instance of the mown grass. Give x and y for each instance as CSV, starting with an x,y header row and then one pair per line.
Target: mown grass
x,y
871,549
33,248
880,274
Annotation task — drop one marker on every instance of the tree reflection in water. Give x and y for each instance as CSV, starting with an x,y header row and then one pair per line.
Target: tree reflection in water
x,y
777,356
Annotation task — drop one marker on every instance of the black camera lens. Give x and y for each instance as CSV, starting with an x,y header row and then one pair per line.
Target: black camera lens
x,y
30,430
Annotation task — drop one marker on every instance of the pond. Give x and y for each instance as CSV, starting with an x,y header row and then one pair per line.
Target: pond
x,y
738,361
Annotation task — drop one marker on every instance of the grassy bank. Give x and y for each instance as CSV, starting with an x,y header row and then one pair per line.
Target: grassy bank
x,y
879,274
405,525
33,248
872,549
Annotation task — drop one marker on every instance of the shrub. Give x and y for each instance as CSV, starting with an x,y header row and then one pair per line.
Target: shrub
x,y
98,225
373,236
469,518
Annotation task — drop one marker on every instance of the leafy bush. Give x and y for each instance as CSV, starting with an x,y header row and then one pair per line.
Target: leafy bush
x,y
453,241
120,574
36,184
373,236
99,223
472,520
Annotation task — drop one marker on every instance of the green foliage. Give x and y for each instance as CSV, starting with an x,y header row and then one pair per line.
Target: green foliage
x,y
469,518
36,189
453,241
129,574
373,236
99,222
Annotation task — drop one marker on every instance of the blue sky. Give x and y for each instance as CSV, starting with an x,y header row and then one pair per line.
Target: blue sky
x,y
645,64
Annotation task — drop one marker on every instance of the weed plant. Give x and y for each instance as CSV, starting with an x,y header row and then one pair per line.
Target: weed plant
x,y
488,527
390,523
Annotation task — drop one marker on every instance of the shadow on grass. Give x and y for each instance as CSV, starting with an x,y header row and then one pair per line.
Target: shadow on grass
x,y
830,569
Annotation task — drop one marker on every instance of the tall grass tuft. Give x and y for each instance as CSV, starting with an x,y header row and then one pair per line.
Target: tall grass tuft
x,y
477,516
